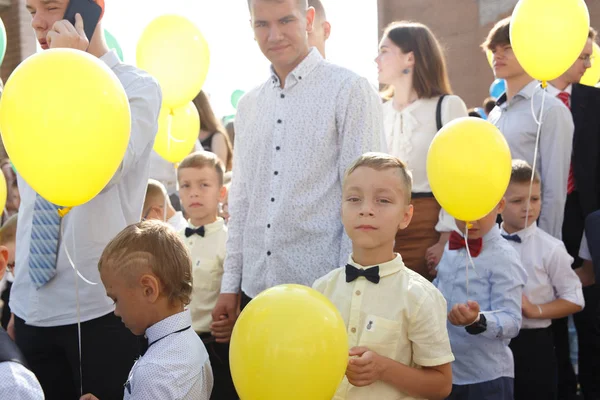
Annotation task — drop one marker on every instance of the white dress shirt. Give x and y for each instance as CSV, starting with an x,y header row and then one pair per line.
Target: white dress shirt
x,y
584,250
88,228
178,221
516,122
18,383
292,148
549,273
175,366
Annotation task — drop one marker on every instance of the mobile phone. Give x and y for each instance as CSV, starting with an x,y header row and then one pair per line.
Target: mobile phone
x,y
90,13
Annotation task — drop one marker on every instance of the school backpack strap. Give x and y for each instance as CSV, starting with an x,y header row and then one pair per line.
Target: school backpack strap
x,y
438,112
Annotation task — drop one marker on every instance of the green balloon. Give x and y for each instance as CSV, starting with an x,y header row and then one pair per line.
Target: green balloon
x,y
235,97
112,43
2,41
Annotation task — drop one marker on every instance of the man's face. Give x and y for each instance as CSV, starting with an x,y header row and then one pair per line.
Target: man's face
x,y
506,65
281,28
575,73
44,14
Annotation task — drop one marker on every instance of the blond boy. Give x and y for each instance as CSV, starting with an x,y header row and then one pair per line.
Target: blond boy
x,y
157,205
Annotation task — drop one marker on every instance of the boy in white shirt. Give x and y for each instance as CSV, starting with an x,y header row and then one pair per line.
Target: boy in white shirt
x,y
146,271
396,319
200,177
553,290
157,205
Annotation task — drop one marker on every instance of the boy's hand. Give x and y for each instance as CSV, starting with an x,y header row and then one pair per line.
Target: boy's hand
x,y
10,328
365,368
221,329
530,310
88,396
64,35
464,314
433,255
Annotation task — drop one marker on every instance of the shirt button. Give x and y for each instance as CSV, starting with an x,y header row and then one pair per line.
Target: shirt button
x,y
272,199
300,77
277,148
268,225
353,330
358,292
276,173
279,121
268,253
283,96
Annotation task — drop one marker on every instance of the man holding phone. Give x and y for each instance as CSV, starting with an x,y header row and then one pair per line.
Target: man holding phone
x,y
46,311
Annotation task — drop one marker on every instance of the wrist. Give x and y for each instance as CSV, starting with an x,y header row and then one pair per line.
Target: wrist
x,y
476,320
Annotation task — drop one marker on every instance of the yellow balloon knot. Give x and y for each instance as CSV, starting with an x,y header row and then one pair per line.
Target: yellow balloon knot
x,y
64,211
469,225
544,84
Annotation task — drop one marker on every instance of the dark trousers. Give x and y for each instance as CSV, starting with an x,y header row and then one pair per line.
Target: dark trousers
x,y
587,323
498,389
535,364
244,301
223,388
109,350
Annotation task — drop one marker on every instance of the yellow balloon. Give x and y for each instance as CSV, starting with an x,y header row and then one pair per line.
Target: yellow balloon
x,y
65,123
289,343
173,50
490,58
592,74
469,166
3,192
177,131
547,36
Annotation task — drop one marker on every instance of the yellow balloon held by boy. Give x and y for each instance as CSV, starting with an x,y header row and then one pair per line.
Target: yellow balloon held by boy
x,y
289,343
469,166
177,131
65,123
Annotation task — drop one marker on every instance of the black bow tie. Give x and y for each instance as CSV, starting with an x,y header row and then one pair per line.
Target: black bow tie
x,y
513,238
199,231
371,274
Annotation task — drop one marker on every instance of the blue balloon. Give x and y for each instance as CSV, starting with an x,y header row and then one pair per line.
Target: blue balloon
x,y
497,88
481,112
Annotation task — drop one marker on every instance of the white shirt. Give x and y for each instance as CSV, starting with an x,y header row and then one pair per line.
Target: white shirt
x,y
584,250
175,366
18,383
88,228
292,148
178,221
549,273
411,329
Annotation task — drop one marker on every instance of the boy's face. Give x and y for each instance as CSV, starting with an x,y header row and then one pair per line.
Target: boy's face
x,y
374,207
44,13
516,212
505,62
130,301
482,226
200,192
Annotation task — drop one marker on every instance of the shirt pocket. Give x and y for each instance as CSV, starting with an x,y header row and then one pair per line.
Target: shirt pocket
x,y
207,274
381,335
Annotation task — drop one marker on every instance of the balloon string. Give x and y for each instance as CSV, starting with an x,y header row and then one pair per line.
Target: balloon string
x,y
71,260
169,129
469,259
535,152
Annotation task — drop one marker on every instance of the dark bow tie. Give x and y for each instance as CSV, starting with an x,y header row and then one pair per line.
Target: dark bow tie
x,y
371,274
458,242
513,238
199,231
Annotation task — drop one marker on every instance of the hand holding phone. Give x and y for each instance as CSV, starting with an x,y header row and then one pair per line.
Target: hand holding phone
x,y
64,35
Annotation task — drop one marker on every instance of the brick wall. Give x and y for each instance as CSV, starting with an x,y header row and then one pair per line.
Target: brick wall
x,y
20,37
461,26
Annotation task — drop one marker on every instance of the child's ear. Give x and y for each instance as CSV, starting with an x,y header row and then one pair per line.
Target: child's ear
x,y
3,260
223,194
406,217
501,205
151,287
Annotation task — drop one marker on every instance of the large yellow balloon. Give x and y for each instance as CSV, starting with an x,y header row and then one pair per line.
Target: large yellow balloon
x,y
178,129
65,123
547,36
173,50
469,166
490,58
3,192
592,74
289,343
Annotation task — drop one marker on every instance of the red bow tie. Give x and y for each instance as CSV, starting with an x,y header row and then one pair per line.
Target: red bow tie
x,y
458,242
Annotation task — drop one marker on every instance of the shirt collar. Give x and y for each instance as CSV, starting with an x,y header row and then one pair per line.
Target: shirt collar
x,y
209,228
169,325
493,234
385,269
523,233
302,70
553,91
111,59
525,93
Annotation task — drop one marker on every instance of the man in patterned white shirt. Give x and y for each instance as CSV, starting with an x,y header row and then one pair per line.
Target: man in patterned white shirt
x,y
295,136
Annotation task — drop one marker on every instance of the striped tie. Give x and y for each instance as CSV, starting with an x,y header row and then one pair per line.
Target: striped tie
x,y
44,242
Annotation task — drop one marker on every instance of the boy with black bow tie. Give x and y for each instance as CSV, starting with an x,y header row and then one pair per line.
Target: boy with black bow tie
x,y
396,319
200,177
484,367
553,290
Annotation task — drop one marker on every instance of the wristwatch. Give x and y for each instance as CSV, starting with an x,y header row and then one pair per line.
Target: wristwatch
x,y
477,327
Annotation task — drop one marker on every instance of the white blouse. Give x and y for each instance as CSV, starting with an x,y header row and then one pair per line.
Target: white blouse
x,y
409,133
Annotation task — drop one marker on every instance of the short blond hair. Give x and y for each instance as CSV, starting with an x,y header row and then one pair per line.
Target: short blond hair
x,y
382,162
156,246
202,159
522,171
8,232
